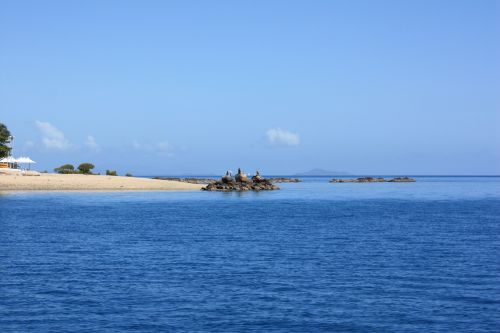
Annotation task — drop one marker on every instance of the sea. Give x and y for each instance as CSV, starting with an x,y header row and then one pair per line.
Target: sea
x,y
312,257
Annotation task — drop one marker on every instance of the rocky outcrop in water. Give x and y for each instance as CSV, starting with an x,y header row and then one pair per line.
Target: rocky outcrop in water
x,y
264,185
284,180
373,180
241,177
188,180
402,180
241,183
359,180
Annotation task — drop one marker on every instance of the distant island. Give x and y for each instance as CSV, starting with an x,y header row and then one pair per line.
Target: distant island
x,y
322,172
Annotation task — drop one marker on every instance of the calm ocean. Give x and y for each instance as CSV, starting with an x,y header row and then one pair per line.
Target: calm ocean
x,y
313,257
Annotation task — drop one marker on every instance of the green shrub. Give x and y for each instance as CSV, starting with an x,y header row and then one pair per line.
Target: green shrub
x,y
85,168
66,168
5,138
128,174
111,173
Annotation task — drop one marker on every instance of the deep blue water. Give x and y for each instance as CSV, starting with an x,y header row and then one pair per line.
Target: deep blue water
x,y
419,257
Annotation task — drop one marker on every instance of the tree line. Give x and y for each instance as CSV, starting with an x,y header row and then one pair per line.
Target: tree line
x,y
5,138
84,168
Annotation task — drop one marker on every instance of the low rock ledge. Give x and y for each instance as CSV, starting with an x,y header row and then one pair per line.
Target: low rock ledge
x,y
284,180
374,180
201,181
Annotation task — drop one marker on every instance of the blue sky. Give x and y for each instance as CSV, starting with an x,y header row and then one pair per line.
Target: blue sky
x,y
158,87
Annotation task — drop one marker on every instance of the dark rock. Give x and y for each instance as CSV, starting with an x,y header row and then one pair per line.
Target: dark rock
x,y
256,184
402,180
373,180
188,180
241,177
284,180
257,177
359,180
227,178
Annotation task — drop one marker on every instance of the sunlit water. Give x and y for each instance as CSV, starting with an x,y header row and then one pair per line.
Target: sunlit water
x,y
383,257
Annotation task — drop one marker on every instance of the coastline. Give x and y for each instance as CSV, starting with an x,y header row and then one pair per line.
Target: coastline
x,y
78,182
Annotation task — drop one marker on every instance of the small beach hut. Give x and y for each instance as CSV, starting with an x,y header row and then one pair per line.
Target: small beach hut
x,y
25,160
8,162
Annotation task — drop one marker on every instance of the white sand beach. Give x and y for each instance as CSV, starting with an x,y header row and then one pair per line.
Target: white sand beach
x,y
79,182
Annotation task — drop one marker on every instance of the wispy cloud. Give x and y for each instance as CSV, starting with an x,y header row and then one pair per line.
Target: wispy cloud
x,y
92,144
279,136
137,145
52,138
29,144
161,147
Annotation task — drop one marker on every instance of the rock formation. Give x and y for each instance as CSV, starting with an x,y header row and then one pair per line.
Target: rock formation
x,y
257,177
227,178
241,183
241,177
284,180
402,180
359,180
188,180
373,180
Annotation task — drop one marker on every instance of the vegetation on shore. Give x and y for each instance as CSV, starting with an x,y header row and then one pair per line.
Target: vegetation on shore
x,y
5,138
65,169
86,168
83,168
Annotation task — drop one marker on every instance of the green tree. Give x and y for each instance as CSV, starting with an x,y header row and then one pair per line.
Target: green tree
x,y
5,138
111,173
85,168
66,168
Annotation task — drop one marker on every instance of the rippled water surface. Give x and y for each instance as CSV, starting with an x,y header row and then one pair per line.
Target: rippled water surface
x,y
419,257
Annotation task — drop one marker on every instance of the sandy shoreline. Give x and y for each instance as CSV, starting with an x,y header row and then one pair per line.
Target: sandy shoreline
x,y
57,182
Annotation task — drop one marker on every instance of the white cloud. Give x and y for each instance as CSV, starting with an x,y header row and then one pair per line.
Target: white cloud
x,y
136,145
52,138
92,144
280,136
139,146
29,144
161,147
